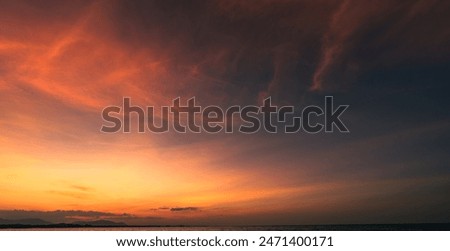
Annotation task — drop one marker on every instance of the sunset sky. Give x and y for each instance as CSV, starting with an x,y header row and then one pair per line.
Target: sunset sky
x,y
62,62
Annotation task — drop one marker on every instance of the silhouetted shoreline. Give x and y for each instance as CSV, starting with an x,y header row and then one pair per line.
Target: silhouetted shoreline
x,y
342,227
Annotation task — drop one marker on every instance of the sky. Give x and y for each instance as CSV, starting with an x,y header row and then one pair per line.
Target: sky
x,y
63,62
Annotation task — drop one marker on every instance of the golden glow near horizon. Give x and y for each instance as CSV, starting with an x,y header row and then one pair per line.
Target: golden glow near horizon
x,y
138,179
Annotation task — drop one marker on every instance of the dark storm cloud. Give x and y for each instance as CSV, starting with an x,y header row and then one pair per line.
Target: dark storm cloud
x,y
229,51
235,51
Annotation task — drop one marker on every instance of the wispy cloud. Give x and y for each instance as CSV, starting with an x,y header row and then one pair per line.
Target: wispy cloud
x,y
184,209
